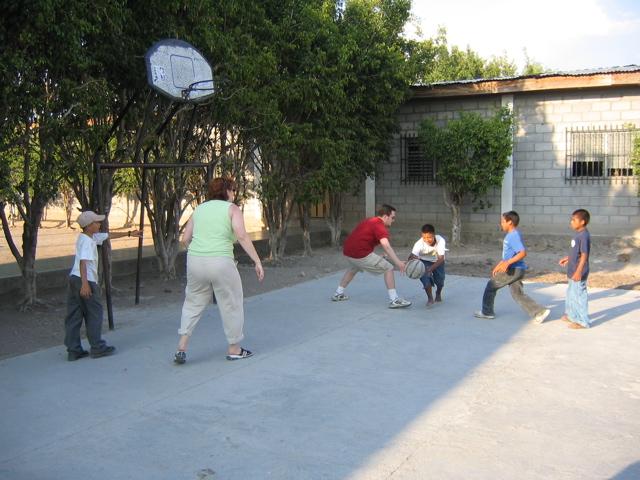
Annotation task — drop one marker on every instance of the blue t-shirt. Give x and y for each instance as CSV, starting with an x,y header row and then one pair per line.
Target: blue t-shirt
x,y
580,243
511,246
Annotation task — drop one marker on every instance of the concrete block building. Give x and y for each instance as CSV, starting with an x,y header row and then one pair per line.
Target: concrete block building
x,y
572,142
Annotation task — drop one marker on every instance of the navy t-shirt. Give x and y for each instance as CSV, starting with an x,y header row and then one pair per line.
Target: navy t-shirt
x,y
580,243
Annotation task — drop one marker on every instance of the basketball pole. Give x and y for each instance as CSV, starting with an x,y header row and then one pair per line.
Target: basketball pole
x,y
143,205
106,265
151,60
144,167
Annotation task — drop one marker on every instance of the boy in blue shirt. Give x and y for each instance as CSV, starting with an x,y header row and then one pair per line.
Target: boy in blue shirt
x,y
510,271
577,263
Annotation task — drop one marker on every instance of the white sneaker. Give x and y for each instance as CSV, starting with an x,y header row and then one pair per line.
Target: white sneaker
x,y
337,297
399,303
479,314
540,317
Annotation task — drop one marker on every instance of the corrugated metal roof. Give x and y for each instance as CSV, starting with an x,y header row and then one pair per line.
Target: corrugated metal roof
x,y
573,73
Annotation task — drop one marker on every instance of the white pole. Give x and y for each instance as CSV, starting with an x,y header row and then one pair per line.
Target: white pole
x,y
370,197
507,182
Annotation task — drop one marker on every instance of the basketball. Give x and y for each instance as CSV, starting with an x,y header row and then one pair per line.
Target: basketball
x,y
414,269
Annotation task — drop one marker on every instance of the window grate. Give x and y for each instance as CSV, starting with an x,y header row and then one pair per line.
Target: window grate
x,y
600,155
416,168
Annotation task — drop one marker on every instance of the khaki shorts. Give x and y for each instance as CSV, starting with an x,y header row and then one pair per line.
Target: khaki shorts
x,y
372,263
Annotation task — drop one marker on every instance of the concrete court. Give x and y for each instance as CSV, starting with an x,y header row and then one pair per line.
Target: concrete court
x,y
339,390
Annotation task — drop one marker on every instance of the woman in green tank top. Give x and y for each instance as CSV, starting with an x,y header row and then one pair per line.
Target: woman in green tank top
x,y
211,268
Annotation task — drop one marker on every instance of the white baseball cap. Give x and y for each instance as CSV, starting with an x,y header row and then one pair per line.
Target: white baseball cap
x,y
86,218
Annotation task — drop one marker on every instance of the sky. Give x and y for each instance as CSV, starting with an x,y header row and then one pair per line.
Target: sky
x,y
562,35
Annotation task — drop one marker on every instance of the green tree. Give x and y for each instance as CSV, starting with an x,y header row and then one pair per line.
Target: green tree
x,y
354,118
500,66
532,66
46,73
312,84
635,161
138,125
453,63
191,136
472,154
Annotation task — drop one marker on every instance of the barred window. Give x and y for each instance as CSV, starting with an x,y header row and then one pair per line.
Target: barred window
x,y
600,155
416,168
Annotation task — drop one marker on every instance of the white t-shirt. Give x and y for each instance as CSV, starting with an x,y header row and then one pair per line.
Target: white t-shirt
x,y
87,249
426,252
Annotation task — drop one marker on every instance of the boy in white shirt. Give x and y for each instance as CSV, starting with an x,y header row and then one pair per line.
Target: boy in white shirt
x,y
430,250
84,301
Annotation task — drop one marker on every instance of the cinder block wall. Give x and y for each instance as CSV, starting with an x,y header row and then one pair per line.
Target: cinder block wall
x,y
541,195
540,190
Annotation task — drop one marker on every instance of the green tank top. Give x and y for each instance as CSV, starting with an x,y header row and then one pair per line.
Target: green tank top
x,y
212,231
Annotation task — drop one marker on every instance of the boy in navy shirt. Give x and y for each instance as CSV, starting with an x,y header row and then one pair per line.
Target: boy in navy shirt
x,y
510,271
577,263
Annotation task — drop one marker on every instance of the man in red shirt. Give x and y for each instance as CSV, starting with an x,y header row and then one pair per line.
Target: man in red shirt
x,y
358,248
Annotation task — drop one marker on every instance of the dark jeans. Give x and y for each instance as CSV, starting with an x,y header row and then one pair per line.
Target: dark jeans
x,y
79,309
436,278
512,277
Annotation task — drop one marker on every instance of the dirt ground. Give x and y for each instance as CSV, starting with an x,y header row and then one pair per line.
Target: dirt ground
x,y
41,326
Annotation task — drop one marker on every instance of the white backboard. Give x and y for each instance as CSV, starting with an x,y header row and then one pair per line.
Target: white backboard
x,y
179,71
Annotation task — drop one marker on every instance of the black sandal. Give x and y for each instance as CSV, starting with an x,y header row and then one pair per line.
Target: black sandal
x,y
239,356
180,357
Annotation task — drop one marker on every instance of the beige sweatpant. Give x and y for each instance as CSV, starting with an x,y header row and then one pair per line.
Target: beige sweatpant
x,y
206,275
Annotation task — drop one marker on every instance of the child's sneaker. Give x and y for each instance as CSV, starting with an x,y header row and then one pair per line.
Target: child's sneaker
x,y
399,303
479,314
337,297
73,356
540,317
104,353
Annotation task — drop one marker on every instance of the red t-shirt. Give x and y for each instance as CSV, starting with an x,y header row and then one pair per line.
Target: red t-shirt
x,y
365,237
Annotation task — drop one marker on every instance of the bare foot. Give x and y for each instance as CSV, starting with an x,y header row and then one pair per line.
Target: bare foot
x,y
438,298
565,319
429,303
576,326
234,349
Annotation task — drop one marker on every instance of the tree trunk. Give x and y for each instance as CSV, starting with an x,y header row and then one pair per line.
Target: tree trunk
x,y
273,244
282,240
164,211
67,200
304,213
333,217
7,233
131,215
26,260
277,213
12,215
29,244
105,262
456,225
454,202
277,240
166,254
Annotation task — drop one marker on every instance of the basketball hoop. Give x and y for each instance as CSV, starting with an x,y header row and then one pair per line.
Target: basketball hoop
x,y
179,71
196,87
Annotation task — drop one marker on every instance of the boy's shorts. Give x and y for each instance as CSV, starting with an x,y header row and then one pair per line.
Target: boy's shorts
x,y
437,276
372,263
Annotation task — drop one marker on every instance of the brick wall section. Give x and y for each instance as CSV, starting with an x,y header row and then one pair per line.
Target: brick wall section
x,y
540,151
540,194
